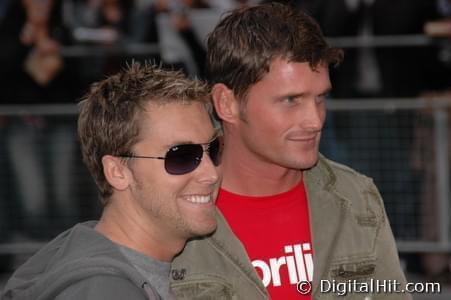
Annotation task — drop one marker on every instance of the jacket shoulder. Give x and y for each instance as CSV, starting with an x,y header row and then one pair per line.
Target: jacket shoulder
x,y
344,178
358,190
344,170
74,256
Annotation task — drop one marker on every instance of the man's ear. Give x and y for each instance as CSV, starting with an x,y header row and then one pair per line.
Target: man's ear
x,y
116,172
226,105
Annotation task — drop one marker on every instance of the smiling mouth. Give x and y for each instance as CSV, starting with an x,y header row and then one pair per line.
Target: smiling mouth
x,y
302,139
199,199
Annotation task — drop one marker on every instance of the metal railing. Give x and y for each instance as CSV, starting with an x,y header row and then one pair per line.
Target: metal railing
x,y
441,107
372,41
131,49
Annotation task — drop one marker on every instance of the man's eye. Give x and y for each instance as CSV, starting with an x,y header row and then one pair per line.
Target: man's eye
x,y
322,98
289,99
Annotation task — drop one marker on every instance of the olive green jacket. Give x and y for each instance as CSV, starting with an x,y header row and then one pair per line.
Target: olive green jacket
x,y
352,240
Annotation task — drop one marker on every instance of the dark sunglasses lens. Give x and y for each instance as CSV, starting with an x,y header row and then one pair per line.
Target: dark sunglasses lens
x,y
214,151
183,159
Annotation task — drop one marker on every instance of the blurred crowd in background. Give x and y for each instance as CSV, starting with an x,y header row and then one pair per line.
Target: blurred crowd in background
x,y
51,50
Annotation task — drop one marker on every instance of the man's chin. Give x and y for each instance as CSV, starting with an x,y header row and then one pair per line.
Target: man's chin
x,y
207,228
305,164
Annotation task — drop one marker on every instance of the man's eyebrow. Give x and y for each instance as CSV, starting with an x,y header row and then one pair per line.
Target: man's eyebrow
x,y
298,95
214,135
290,95
327,91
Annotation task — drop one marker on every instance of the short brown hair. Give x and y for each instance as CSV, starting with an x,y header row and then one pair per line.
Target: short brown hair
x,y
243,45
109,119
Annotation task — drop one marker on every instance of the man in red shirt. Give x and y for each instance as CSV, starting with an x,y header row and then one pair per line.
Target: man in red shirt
x,y
272,106
303,220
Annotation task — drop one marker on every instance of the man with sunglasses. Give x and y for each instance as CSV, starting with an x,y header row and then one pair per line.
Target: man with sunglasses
x,y
148,140
308,225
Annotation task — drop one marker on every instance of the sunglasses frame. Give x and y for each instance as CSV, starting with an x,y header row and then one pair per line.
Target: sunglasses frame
x,y
197,161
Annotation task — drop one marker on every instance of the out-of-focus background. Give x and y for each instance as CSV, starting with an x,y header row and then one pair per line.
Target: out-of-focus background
x,y
389,112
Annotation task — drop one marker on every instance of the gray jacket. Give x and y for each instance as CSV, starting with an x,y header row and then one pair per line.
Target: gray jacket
x,y
352,240
78,264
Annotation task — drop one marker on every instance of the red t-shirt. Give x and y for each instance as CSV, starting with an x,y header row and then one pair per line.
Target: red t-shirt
x,y
275,231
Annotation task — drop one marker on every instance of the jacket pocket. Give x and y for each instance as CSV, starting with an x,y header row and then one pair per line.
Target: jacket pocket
x,y
207,289
353,270
349,279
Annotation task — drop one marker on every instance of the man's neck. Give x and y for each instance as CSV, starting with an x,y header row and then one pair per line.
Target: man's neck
x,y
246,174
117,225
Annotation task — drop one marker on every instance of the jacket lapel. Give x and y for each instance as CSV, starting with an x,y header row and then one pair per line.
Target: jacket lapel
x,y
230,244
326,218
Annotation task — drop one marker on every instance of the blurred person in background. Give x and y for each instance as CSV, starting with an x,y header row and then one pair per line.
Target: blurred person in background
x,y
178,13
441,27
148,140
182,37
436,266
102,23
33,72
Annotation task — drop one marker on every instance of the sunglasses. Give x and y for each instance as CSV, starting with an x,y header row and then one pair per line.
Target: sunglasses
x,y
185,158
